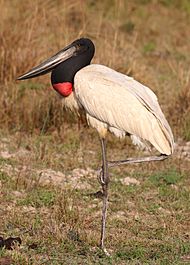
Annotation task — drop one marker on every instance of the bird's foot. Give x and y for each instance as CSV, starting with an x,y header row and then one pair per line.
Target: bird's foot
x,y
104,250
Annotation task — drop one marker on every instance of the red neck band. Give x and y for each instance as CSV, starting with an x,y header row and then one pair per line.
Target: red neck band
x,y
64,89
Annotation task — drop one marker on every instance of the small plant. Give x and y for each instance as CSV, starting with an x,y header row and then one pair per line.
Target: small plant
x,y
39,198
166,178
149,47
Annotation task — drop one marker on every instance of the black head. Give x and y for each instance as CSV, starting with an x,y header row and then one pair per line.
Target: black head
x,y
66,71
66,62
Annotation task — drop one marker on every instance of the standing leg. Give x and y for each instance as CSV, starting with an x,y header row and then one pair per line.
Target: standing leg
x,y
104,183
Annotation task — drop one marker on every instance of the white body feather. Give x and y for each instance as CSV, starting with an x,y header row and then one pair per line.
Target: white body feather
x,y
116,102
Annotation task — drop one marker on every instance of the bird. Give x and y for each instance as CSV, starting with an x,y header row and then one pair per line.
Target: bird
x,y
112,102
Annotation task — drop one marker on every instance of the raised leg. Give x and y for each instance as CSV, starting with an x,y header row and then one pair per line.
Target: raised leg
x,y
132,160
104,180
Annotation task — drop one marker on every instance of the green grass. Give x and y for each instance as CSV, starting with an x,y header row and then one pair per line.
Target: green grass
x,y
149,47
147,223
38,198
166,178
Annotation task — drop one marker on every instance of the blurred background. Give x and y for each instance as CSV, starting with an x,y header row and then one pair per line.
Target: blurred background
x,y
147,39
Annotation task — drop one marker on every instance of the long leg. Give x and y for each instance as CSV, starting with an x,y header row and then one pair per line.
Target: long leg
x,y
104,180
131,160
104,183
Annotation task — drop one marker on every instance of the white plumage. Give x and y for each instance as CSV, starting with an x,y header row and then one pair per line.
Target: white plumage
x,y
120,104
112,101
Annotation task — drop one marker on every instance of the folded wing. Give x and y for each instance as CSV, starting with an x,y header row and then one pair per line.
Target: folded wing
x,y
123,103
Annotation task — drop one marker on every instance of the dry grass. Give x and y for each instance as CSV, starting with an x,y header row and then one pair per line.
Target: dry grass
x,y
147,223
155,51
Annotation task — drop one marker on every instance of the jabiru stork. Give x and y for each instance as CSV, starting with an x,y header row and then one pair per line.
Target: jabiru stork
x,y
112,102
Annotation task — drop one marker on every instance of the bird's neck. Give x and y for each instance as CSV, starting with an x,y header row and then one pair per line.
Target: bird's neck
x,y
62,77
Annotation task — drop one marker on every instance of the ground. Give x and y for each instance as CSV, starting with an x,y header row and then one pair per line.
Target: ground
x,y
49,200
49,158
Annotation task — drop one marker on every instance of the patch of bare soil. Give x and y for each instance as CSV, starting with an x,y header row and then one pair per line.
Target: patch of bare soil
x,y
76,179
130,181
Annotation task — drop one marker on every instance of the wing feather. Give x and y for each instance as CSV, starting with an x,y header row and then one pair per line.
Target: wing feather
x,y
123,103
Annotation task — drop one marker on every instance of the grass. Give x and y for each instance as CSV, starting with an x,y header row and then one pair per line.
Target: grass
x,y
149,47
147,223
168,178
59,222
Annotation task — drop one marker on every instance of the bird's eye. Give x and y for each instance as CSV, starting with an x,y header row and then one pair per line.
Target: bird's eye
x,y
78,45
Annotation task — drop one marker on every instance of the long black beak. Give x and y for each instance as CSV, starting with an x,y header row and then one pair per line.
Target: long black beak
x,y
46,66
